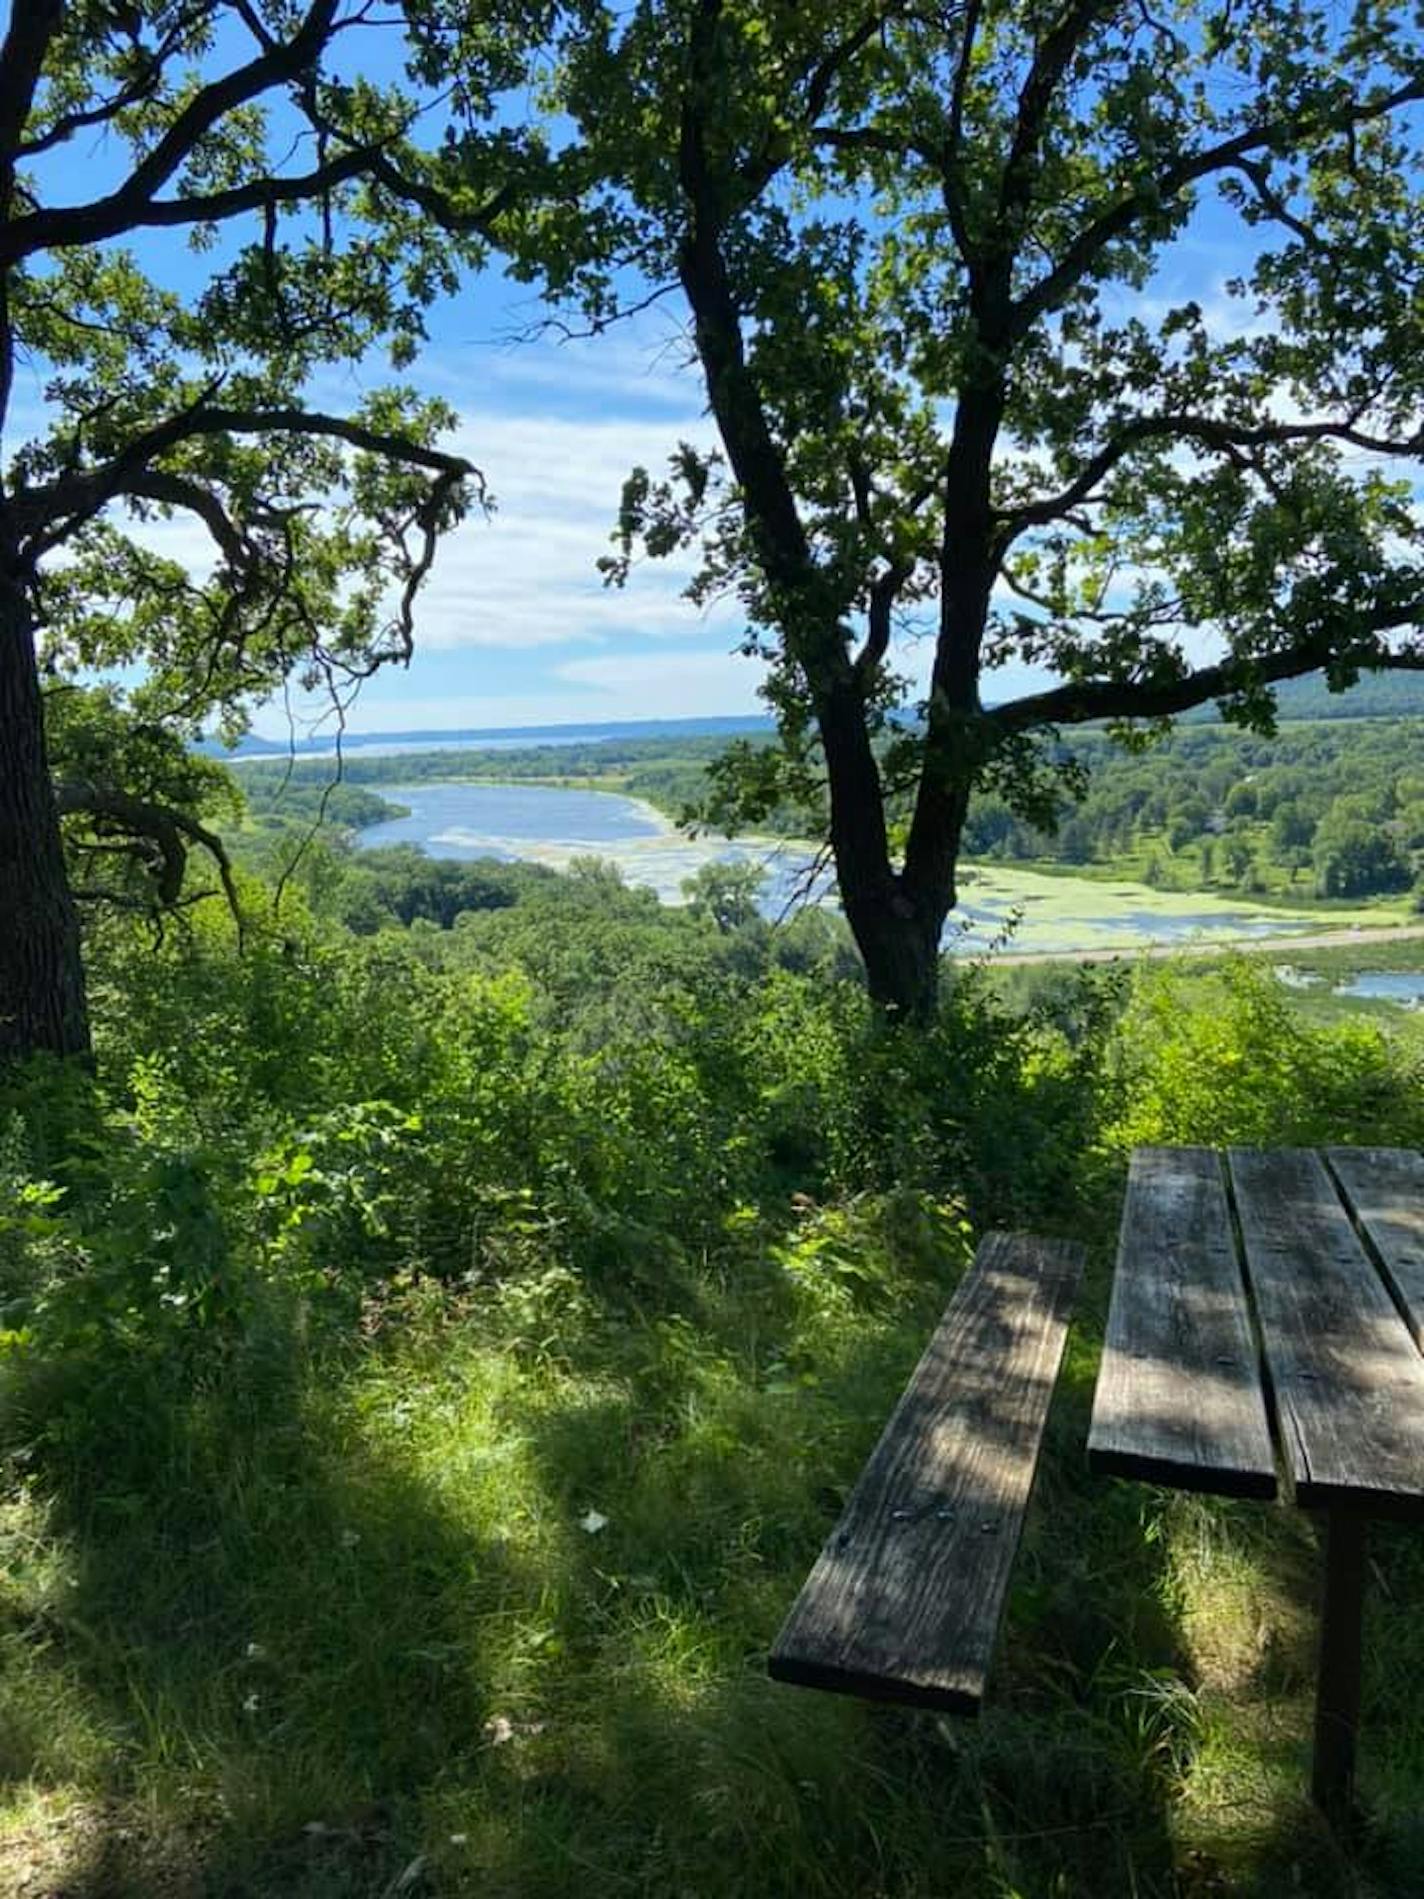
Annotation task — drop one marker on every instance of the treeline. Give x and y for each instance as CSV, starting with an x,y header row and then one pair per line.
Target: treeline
x,y
670,773
1333,809
579,929
278,805
1387,695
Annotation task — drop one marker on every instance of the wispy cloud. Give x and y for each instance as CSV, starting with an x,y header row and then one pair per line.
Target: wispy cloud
x,y
669,684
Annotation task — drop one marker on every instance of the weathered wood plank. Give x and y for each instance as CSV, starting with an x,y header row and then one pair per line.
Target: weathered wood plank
x,y
1179,1398
905,1599
1348,1383
1384,1190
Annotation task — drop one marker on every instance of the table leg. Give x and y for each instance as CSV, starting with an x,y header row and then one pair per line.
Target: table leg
x,y
1337,1700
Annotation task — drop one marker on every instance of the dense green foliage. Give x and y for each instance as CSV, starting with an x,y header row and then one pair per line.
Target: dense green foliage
x,y
1210,808
429,1359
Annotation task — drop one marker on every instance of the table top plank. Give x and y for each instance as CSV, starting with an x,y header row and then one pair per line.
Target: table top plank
x,y
1179,1397
1348,1383
1384,1190
905,1599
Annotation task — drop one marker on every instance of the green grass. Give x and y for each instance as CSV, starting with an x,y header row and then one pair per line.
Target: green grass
x,y
352,1584
330,1620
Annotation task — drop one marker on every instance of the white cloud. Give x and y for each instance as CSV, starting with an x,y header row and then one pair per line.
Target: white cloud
x,y
643,365
669,685
666,683
528,575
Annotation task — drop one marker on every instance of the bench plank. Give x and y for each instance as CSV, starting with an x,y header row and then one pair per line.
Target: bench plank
x,y
1348,1381
905,1599
1384,1190
1179,1398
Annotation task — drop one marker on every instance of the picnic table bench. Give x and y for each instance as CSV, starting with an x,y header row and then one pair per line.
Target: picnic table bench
x,y
1266,1322
1267,1316
905,1599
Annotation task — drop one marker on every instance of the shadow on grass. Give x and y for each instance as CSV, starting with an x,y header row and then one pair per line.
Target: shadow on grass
x,y
302,1629
1062,1786
281,1654
255,1639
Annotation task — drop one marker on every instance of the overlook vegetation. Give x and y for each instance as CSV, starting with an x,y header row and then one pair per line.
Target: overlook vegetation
x,y
432,1354
442,1306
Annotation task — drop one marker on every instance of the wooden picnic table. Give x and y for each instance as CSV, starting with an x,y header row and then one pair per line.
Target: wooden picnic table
x,y
1266,1329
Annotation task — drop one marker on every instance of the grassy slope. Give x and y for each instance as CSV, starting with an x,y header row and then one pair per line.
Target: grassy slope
x,y
319,1616
355,1632
346,1627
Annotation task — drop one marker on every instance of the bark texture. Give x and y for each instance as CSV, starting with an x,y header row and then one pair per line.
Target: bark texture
x,y
42,1006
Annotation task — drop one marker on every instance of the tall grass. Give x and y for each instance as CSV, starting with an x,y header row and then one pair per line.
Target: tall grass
x,y
434,1545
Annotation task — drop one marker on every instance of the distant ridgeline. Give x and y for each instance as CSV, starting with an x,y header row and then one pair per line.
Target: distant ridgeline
x,y
323,745
1376,696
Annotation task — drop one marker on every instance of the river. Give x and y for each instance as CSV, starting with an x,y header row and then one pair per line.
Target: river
x,y
548,825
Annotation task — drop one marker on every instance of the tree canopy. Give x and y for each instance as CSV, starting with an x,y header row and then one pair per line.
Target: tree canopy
x,y
928,258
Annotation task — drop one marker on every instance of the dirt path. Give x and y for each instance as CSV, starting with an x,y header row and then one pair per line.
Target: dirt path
x,y
1357,937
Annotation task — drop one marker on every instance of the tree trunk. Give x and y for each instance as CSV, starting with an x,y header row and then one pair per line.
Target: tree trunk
x,y
900,950
42,1005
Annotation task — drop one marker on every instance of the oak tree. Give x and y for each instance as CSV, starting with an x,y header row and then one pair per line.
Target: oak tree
x,y
203,207
933,256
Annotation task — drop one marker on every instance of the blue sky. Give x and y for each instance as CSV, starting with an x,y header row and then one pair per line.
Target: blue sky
x,y
514,626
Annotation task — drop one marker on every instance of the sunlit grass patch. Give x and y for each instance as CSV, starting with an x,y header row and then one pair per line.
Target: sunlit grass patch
x,y
474,1570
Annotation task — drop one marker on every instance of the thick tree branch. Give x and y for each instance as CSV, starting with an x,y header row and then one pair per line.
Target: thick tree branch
x,y
275,66
68,227
33,25
133,92
884,592
437,205
868,138
951,188
736,403
58,507
815,637
757,173
175,491
170,831
959,87
1276,134
1258,176
1045,76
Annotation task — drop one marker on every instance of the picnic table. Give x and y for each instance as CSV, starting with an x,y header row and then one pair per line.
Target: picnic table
x,y
1267,1324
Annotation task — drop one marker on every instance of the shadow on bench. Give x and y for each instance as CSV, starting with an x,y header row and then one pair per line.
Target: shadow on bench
x,y
905,1600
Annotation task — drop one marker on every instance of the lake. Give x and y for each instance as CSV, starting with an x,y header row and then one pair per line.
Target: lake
x,y
543,824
